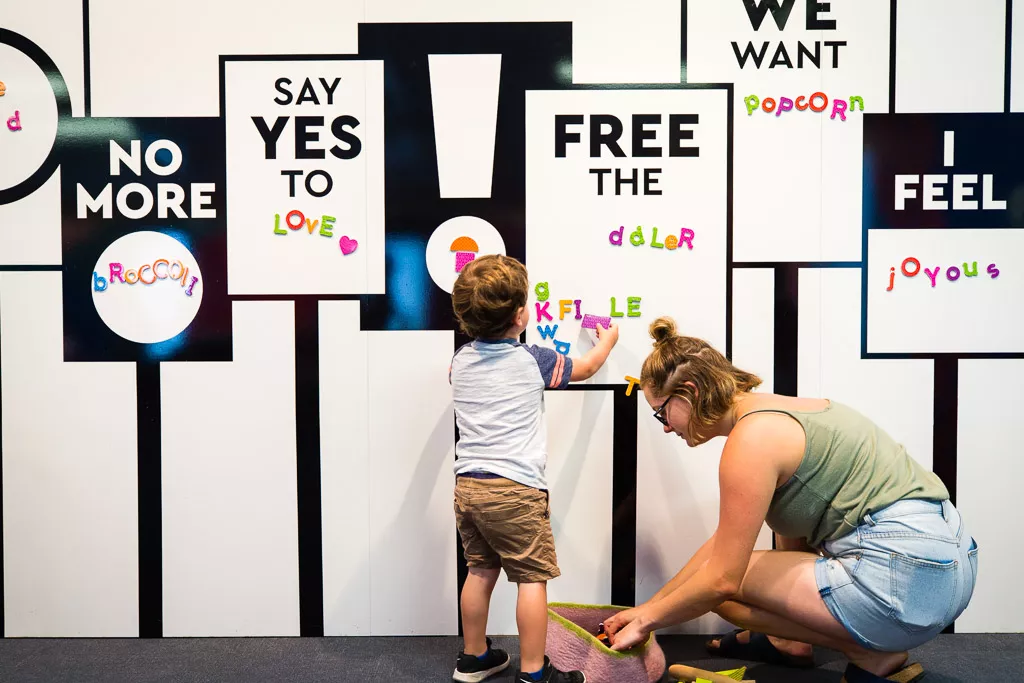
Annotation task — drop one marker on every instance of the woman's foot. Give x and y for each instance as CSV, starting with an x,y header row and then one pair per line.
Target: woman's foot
x,y
759,647
881,664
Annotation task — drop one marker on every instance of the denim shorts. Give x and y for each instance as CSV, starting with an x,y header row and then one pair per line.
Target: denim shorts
x,y
902,576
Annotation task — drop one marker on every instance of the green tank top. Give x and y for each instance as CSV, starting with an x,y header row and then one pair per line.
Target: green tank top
x,y
850,468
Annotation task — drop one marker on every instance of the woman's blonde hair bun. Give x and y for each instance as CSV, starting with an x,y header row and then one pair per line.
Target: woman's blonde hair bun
x,y
663,329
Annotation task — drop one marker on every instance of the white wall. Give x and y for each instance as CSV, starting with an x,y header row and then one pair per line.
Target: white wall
x,y
70,478
230,524
230,530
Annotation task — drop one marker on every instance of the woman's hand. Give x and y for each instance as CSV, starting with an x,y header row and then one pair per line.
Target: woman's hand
x,y
627,628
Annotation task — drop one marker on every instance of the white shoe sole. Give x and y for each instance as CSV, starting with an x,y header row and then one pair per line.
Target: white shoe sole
x,y
479,675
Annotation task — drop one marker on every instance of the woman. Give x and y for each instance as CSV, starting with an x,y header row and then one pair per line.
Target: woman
x,y
874,559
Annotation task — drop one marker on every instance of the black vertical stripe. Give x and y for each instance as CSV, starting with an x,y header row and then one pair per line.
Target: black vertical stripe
x,y
624,496
2,625
462,569
944,427
728,222
682,43
892,56
787,288
151,617
307,466
1008,51
787,305
87,68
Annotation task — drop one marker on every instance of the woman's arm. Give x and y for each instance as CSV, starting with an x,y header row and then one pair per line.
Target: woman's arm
x,y
748,475
691,567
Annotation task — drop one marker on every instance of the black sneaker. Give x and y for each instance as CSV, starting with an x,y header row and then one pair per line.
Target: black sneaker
x,y
471,669
553,675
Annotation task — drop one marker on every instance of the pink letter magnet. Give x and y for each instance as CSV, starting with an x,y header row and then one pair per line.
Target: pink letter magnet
x,y
590,322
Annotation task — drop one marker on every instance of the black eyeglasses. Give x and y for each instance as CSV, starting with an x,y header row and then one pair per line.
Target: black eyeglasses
x,y
659,414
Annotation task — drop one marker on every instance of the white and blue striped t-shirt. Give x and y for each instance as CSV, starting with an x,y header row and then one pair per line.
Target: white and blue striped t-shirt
x,y
498,388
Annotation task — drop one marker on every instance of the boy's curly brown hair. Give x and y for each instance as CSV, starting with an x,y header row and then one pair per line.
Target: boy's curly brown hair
x,y
487,294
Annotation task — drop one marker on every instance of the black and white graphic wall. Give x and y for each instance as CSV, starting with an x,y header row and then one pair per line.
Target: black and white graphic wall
x,y
227,248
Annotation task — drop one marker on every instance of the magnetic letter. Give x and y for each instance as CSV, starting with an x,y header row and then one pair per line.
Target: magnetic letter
x,y
564,306
277,225
917,266
578,302
932,274
99,283
327,225
853,103
687,236
116,270
546,331
993,271
839,107
194,281
801,107
671,242
633,306
654,240
615,236
824,102
562,347
542,291
614,313
543,310
892,276
301,217
764,105
633,381
785,104
636,235
950,273
14,123
751,105
968,271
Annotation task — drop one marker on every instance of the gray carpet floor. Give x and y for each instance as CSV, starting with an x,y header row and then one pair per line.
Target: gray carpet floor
x,y
964,658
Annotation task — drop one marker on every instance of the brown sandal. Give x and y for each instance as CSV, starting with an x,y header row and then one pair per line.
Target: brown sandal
x,y
911,673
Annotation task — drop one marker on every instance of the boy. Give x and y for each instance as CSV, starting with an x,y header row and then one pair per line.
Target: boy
x,y
501,498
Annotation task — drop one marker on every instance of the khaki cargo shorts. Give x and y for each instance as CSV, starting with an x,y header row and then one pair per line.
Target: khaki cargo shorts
x,y
505,524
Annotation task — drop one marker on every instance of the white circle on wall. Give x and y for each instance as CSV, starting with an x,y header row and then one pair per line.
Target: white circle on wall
x,y
147,287
28,117
468,235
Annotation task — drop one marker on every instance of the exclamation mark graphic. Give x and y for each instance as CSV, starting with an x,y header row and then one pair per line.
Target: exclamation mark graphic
x,y
464,95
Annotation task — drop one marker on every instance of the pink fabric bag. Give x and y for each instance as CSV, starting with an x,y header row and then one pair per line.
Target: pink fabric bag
x,y
572,644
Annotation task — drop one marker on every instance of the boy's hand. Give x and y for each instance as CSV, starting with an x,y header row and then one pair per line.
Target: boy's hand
x,y
609,335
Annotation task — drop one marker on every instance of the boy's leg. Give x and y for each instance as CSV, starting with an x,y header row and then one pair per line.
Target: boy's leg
x,y
476,602
532,620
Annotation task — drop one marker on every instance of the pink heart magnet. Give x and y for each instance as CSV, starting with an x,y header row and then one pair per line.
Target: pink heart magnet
x,y
347,245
